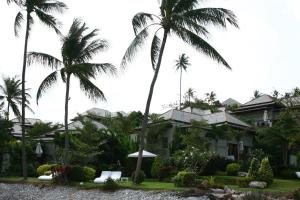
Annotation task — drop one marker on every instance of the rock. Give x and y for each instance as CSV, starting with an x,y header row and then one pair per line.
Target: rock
x,y
218,191
258,184
242,174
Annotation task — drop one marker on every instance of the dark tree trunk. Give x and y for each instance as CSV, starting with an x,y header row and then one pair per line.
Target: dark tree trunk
x,y
146,114
180,88
67,143
7,114
24,162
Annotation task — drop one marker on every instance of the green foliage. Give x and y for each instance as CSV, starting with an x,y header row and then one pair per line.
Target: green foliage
x,y
155,136
232,169
288,173
44,168
196,135
78,173
140,178
47,173
166,172
110,185
192,159
244,182
5,134
40,128
296,194
253,169
265,172
185,179
156,165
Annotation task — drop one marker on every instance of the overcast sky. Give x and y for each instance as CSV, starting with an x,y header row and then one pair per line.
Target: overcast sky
x,y
263,53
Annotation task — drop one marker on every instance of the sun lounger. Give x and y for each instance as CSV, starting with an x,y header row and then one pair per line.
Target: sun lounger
x,y
104,176
116,176
298,174
45,177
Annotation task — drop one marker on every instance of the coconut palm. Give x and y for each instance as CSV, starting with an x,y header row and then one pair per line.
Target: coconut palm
x,y
181,64
11,93
78,48
184,19
43,10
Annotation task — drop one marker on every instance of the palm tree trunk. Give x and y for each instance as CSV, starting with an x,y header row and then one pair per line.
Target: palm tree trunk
x,y
180,88
24,162
146,114
7,114
67,143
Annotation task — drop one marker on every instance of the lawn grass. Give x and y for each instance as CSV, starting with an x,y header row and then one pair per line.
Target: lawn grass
x,y
278,185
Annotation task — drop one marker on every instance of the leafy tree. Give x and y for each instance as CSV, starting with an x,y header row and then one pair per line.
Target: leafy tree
x,y
42,9
189,94
183,19
279,139
211,97
11,93
181,64
40,128
196,136
77,49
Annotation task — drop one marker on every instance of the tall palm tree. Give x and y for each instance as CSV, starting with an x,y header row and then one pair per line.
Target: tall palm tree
x,y
42,9
11,93
181,64
78,48
189,94
184,19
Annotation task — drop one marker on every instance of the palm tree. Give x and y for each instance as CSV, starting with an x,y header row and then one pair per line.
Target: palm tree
x,y
210,97
77,49
12,94
189,94
183,19
181,64
43,10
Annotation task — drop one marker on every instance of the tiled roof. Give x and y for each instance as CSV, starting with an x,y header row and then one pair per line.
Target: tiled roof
x,y
230,102
260,100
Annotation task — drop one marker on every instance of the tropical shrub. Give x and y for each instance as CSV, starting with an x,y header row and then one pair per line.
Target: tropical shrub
x,y
232,169
140,178
44,168
166,172
215,163
78,173
47,173
110,185
265,172
185,179
253,169
209,182
156,165
89,173
288,173
244,182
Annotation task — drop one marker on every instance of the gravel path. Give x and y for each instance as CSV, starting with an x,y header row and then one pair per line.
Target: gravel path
x,y
31,192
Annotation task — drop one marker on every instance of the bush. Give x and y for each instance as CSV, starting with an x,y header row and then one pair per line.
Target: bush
x,y
232,169
215,163
157,164
209,182
140,178
288,173
265,172
166,172
44,168
185,179
89,173
110,184
253,169
47,173
244,182
296,194
78,173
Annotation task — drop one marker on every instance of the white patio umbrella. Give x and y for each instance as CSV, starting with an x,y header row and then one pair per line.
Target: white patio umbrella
x,y
146,154
38,149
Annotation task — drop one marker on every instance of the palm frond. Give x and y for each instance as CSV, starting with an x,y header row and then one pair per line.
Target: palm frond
x,y
52,6
48,20
140,21
155,48
215,16
200,44
185,5
15,108
92,69
18,23
17,2
135,45
43,59
46,84
189,24
91,91
91,50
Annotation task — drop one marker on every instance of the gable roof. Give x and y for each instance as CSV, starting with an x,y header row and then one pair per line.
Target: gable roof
x,y
260,100
212,119
230,102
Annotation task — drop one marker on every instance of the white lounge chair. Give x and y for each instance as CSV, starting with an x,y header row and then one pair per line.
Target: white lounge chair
x,y
116,176
45,177
104,176
298,174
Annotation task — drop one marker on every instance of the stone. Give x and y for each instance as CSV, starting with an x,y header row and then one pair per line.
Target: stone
x,y
218,191
258,184
242,174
